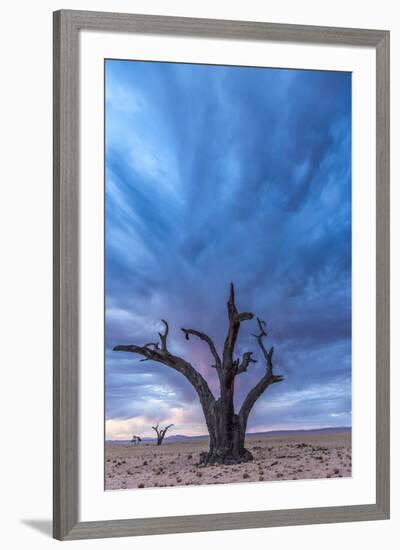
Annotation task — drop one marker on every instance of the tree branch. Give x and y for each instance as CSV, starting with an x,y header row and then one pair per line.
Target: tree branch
x,y
268,379
205,338
151,352
235,318
255,393
246,360
164,431
156,430
245,316
260,337
163,336
154,344
267,354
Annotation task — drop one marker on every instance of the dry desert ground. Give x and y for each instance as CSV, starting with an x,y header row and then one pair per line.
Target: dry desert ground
x,y
175,463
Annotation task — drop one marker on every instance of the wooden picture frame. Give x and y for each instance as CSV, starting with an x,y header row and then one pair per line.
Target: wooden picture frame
x,y
67,26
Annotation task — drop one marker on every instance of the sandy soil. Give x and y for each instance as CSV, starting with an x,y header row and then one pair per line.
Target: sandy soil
x,y
275,458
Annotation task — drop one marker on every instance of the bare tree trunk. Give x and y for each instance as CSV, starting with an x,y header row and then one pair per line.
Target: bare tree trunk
x,y
229,434
227,430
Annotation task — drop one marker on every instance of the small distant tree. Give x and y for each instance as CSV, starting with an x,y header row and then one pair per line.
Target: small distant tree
x,y
161,432
136,439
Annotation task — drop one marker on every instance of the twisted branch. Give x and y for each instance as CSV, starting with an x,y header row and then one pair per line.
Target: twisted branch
x,y
164,431
152,352
246,360
268,379
163,336
235,318
208,340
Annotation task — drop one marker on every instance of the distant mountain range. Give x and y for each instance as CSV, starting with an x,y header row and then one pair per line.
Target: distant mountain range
x,y
274,433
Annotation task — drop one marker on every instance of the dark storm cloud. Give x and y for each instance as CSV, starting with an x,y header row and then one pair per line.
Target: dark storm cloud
x,y
219,174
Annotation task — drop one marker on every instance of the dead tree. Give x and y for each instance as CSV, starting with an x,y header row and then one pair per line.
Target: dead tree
x,y
161,433
227,428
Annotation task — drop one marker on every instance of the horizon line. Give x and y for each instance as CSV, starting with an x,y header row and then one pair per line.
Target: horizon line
x,y
248,433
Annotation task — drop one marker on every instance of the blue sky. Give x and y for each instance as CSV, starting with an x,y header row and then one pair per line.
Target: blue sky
x,y
219,174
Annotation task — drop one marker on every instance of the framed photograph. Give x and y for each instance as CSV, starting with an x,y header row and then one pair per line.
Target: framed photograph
x,y
221,274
